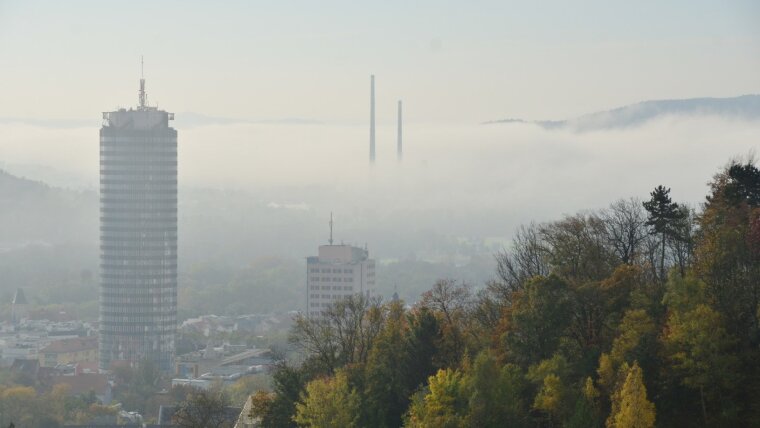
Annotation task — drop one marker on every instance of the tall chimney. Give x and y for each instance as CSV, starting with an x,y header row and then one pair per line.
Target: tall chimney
x,y
399,147
372,120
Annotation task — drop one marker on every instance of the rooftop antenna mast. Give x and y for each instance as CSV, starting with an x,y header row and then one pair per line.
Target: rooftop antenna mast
x,y
331,229
143,95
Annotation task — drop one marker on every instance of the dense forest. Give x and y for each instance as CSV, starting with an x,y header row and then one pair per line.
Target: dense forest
x,y
642,314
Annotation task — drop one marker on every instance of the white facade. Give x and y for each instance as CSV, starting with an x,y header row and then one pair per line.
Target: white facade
x,y
338,271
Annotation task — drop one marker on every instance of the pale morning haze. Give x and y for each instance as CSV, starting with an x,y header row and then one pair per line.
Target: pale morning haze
x,y
453,61
177,179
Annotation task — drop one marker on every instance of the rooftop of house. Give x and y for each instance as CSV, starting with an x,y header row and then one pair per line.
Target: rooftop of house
x,y
75,344
87,367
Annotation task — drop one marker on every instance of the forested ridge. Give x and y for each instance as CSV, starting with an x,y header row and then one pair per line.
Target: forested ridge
x,y
642,314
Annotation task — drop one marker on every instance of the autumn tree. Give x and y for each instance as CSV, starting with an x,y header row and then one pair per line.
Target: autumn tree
x,y
450,302
633,409
526,258
204,409
625,224
288,383
496,394
636,339
422,343
345,334
538,320
586,413
444,405
725,257
684,293
386,386
578,248
20,405
261,405
245,386
553,398
700,351
329,402
489,304
682,247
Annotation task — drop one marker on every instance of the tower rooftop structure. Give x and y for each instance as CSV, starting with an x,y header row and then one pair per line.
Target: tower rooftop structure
x,y
338,271
143,117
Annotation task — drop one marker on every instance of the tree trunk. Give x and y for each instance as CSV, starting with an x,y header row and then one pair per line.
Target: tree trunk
x,y
662,259
702,399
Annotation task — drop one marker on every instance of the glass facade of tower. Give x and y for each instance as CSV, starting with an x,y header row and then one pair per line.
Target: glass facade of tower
x,y
138,237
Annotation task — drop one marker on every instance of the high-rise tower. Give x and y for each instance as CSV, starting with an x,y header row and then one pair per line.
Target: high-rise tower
x,y
399,147
138,236
372,119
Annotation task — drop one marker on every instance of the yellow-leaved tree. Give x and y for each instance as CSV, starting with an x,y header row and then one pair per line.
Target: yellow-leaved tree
x,y
633,409
329,403
445,405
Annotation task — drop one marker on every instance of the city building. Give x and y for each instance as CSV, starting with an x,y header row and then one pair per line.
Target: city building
x,y
27,338
337,272
68,351
223,365
138,236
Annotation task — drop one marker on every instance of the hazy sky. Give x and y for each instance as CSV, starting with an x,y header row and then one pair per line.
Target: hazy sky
x,y
450,61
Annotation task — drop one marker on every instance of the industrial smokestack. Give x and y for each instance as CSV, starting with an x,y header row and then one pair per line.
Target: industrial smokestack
x,y
399,147
372,120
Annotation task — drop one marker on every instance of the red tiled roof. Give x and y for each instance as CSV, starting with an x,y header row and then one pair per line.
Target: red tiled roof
x,y
88,367
71,345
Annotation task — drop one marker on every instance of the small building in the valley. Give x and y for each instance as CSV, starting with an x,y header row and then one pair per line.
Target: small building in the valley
x,y
69,351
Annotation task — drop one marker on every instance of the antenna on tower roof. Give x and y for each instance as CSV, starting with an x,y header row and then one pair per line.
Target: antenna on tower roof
x,y
331,229
143,95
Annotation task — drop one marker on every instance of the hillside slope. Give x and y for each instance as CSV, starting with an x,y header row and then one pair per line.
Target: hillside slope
x,y
745,107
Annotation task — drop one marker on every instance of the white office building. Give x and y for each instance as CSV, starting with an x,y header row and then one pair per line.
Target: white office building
x,y
338,271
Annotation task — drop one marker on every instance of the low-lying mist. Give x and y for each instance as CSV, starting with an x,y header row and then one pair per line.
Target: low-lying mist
x,y
461,180
258,190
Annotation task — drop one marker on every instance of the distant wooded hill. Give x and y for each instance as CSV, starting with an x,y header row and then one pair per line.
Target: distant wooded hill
x,y
745,107
33,212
